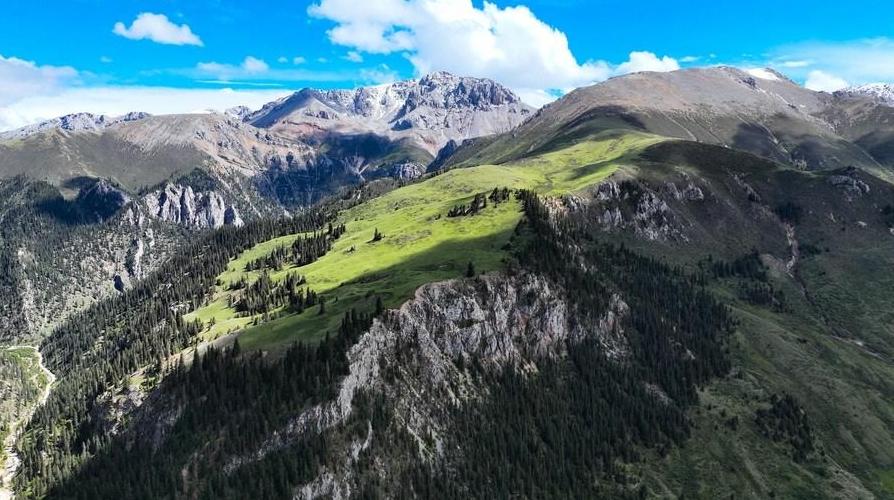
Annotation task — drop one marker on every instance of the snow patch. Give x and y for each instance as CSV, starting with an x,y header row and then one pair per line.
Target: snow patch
x,y
762,73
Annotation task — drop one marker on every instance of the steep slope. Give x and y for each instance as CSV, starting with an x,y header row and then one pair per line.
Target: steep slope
x,y
202,171
426,113
603,312
881,92
415,401
760,112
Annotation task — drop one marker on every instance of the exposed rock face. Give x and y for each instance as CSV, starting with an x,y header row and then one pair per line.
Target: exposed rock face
x,y
430,111
101,200
882,93
634,206
407,170
239,112
849,182
72,123
180,204
416,357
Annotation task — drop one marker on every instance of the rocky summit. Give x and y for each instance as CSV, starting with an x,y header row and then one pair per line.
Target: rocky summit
x,y
429,111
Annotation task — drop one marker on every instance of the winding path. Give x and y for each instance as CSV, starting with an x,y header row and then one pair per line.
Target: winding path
x,y
11,464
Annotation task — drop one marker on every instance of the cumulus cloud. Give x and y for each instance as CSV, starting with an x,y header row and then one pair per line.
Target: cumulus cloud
x,y
157,27
20,78
826,64
250,66
254,65
353,56
298,60
647,61
795,64
822,81
508,44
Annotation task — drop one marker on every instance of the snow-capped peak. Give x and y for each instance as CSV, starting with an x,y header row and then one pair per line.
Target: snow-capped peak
x,y
73,122
430,110
880,92
763,74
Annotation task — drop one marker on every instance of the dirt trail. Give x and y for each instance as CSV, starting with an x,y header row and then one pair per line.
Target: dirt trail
x,y
11,464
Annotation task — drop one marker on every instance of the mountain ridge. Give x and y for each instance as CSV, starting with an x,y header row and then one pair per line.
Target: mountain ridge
x,y
767,115
431,110
74,122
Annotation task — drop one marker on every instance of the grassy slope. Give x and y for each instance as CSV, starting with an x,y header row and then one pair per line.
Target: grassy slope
x,y
845,387
831,349
421,244
842,388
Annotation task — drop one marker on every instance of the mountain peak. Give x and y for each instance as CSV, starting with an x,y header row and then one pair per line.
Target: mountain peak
x,y
432,110
73,122
883,93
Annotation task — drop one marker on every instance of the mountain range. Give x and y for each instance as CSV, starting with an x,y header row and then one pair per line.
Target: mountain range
x,y
664,285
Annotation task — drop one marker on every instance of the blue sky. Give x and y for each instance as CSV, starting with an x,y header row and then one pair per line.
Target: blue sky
x,y
179,56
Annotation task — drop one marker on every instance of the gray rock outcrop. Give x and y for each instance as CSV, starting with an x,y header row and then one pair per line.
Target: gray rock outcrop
x,y
181,205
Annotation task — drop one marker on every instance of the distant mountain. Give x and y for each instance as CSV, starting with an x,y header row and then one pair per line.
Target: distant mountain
x,y
75,122
140,185
428,112
761,112
881,92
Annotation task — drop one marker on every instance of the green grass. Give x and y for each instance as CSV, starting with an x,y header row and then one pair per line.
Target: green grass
x,y
420,245
887,481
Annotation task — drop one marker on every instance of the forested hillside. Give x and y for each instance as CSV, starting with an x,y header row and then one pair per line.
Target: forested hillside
x,y
622,309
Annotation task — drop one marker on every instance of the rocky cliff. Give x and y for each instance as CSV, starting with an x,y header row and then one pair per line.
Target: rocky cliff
x,y
182,205
419,359
429,111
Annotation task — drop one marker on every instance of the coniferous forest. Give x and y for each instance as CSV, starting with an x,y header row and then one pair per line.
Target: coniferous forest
x,y
585,414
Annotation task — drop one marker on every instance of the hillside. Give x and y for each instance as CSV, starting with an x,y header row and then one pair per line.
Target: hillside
x,y
472,297
104,200
763,113
662,286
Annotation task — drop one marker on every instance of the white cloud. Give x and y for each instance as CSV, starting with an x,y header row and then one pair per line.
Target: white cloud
x,y
298,60
820,80
379,75
510,45
282,59
250,66
856,61
353,56
159,29
254,65
795,64
689,59
120,100
20,78
105,60
647,61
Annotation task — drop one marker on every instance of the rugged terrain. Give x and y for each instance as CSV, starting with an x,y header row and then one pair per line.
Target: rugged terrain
x,y
762,112
621,298
112,197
